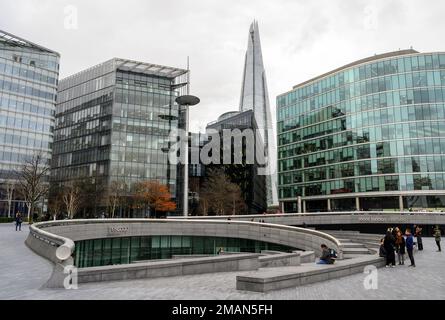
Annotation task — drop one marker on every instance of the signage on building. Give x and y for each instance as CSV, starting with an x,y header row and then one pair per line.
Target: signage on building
x,y
118,230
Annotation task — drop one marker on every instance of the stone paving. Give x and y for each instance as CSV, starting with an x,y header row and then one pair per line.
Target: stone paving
x,y
22,274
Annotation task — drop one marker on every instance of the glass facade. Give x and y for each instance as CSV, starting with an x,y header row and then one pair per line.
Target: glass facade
x,y
371,128
109,251
112,123
28,84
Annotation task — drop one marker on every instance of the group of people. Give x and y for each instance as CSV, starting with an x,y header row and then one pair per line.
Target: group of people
x,y
397,242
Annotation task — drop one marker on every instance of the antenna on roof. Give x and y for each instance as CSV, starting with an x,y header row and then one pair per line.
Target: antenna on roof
x,y
188,75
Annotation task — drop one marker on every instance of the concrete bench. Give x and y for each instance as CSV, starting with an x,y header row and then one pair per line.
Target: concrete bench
x,y
280,260
267,280
178,267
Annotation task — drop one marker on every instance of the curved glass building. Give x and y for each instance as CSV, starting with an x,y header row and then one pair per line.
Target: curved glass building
x,y
367,136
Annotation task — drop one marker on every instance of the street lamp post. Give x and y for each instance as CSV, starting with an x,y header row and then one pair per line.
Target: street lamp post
x,y
186,101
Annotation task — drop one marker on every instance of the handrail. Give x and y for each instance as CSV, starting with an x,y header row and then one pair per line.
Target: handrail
x,y
65,245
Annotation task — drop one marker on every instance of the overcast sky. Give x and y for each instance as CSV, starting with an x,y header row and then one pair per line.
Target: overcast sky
x,y
300,39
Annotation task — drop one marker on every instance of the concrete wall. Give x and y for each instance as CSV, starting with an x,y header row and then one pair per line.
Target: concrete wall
x,y
353,217
300,238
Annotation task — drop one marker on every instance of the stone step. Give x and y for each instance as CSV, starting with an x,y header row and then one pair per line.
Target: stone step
x,y
355,251
344,240
351,255
353,245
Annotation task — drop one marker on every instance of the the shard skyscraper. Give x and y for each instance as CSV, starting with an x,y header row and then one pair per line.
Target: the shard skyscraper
x,y
254,96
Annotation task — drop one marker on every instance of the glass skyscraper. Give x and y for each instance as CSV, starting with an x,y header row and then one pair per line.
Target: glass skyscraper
x,y
28,86
113,123
368,135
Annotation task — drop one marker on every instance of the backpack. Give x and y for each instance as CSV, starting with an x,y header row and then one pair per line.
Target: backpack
x,y
333,254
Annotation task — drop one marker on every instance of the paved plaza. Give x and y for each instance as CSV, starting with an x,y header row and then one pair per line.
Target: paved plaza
x,y
22,274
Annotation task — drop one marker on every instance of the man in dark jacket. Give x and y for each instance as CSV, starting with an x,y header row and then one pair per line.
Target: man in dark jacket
x,y
390,246
325,255
410,246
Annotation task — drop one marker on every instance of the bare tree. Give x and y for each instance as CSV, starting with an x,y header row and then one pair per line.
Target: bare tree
x,y
55,203
32,179
115,194
220,195
10,188
72,199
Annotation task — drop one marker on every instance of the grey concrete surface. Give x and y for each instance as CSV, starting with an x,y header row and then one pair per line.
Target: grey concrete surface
x,y
22,274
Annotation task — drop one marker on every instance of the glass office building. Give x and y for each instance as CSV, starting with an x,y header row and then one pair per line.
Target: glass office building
x,y
113,122
28,87
369,135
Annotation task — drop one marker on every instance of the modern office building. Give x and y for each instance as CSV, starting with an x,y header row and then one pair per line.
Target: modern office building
x,y
255,96
28,87
244,174
368,135
113,123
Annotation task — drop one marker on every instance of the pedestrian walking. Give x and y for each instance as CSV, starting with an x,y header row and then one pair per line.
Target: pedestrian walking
x,y
410,246
400,248
419,238
437,234
18,221
389,245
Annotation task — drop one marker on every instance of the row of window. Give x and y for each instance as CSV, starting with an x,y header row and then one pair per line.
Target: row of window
x,y
366,71
367,87
17,157
81,129
26,72
366,151
403,182
27,90
363,104
364,168
23,140
365,122
23,105
407,130
21,121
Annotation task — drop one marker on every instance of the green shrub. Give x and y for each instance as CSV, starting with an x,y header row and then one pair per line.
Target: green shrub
x,y
6,219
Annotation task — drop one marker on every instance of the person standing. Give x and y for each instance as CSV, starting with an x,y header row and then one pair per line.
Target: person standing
x,y
18,221
410,246
400,248
419,238
389,245
437,234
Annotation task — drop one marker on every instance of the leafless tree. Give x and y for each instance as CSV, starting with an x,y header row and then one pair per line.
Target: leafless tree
x,y
32,180
115,194
72,199
220,195
10,188
55,204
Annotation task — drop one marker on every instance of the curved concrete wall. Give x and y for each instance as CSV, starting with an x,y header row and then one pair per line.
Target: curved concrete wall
x,y
339,218
66,231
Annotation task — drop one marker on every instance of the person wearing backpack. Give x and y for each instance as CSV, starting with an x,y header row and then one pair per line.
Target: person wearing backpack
x,y
326,257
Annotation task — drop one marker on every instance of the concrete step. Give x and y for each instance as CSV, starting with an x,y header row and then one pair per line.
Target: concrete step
x,y
353,245
355,251
344,240
351,255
